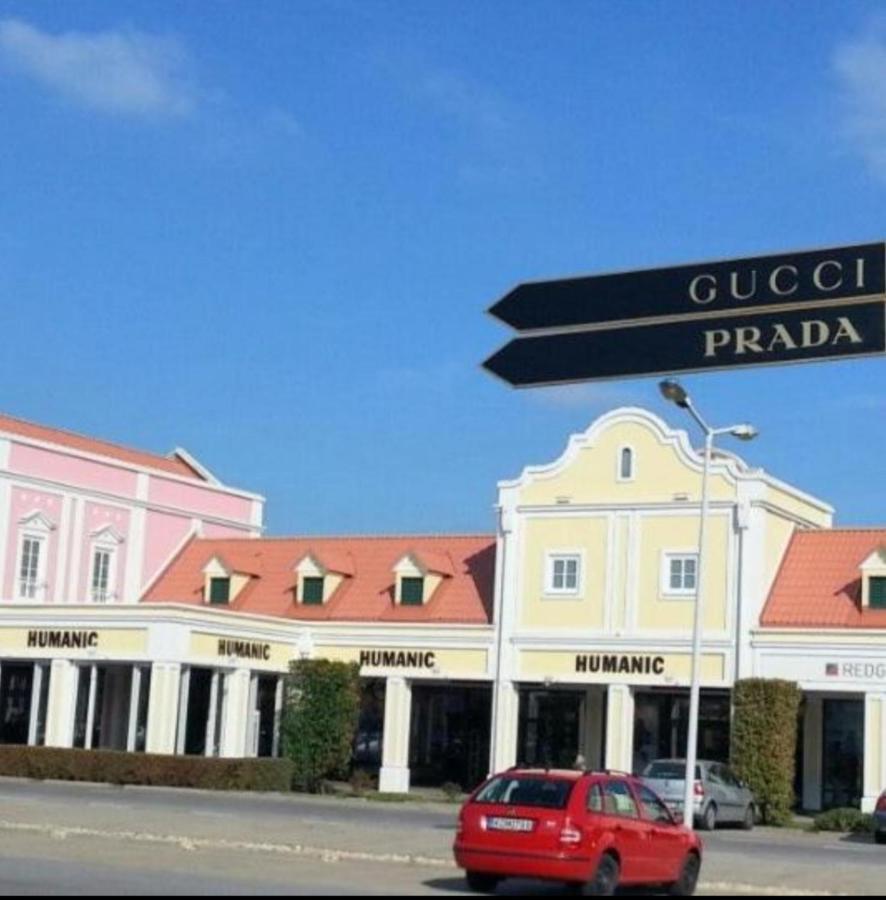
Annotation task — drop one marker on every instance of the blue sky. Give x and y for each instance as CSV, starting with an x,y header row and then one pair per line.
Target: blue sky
x,y
269,231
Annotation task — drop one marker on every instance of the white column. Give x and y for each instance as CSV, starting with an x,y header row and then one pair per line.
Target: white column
x,y
507,727
36,686
874,749
813,741
163,707
236,718
278,716
134,692
394,775
619,728
60,705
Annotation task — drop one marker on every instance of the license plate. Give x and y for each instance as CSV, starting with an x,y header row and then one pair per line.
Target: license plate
x,y
499,824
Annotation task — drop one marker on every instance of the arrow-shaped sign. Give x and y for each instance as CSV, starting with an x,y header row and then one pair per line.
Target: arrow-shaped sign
x,y
695,345
705,288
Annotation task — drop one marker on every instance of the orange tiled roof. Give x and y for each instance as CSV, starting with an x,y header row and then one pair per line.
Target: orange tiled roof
x,y
819,583
171,464
367,595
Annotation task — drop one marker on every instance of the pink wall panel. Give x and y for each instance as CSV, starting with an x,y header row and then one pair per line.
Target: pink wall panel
x,y
55,466
199,501
24,502
96,517
164,534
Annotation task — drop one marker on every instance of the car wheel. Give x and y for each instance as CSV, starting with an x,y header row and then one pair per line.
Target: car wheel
x,y
481,883
880,837
750,819
709,818
606,878
686,884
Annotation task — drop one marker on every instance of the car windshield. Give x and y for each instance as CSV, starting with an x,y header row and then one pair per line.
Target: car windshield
x,y
669,771
523,790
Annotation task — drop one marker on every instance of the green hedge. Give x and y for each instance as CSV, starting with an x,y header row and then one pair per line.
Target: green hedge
x,y
320,716
845,820
764,743
114,767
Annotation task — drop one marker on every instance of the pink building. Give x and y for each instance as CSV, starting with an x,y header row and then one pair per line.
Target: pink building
x,y
85,521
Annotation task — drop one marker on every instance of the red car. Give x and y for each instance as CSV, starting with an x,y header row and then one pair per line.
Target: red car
x,y
595,831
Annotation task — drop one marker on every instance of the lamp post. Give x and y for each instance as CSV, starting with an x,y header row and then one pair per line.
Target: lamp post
x,y
672,390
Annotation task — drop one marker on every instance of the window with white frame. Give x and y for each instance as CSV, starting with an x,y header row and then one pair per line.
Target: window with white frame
x,y
103,558
32,558
563,573
101,574
33,551
680,573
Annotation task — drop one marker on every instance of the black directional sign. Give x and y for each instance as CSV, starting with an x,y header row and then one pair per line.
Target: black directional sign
x,y
786,279
847,330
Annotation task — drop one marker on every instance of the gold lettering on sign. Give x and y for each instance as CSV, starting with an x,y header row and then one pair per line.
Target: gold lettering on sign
x,y
808,335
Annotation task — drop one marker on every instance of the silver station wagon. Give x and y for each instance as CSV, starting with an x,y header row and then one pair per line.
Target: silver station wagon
x,y
720,797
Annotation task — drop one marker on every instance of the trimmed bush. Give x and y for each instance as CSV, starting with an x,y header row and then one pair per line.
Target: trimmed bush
x,y
320,718
115,767
764,743
845,820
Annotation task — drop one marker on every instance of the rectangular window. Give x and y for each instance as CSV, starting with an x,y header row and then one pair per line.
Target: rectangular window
x,y
877,593
681,574
412,591
219,590
563,574
312,591
101,576
30,568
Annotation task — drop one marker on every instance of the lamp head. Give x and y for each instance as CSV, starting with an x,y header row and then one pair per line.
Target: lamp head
x,y
672,390
744,432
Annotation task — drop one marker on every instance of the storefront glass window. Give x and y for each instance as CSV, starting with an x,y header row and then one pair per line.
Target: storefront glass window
x,y
843,756
550,728
660,726
16,688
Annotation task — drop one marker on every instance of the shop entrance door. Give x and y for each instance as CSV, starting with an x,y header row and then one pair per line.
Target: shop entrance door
x,y
843,753
16,688
550,728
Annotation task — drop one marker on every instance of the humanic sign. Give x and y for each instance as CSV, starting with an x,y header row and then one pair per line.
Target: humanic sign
x,y
738,285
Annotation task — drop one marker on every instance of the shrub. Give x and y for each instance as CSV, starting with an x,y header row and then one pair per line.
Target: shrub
x,y
116,767
764,742
844,820
320,716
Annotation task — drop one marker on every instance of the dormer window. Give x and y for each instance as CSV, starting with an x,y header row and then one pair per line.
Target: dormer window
x,y
219,591
877,592
873,580
312,590
320,574
412,591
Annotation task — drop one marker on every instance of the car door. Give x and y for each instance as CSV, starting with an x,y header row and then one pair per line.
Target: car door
x,y
667,841
631,832
720,794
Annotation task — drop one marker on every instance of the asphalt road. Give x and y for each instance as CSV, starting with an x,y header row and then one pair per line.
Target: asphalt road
x,y
85,839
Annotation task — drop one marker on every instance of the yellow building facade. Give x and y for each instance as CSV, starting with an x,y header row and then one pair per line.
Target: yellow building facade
x,y
597,556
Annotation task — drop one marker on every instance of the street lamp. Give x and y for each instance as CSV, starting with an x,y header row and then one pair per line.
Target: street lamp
x,y
675,392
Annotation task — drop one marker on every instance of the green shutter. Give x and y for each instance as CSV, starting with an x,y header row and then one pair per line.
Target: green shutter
x,y
412,591
878,593
219,590
312,591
